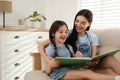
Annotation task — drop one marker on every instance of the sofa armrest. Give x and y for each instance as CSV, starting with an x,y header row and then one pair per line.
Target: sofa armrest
x,y
36,73
36,60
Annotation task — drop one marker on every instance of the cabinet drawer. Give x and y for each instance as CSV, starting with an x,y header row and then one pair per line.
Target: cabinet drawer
x,y
20,37
17,68
17,64
44,36
17,51
19,75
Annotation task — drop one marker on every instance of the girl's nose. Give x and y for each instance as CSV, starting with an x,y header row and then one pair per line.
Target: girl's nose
x,y
65,34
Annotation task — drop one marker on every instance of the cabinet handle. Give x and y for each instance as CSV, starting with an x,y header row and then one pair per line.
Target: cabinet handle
x,y
16,50
17,64
39,37
16,78
17,37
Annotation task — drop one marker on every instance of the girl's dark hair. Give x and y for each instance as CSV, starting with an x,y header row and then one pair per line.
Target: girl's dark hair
x,y
74,35
54,27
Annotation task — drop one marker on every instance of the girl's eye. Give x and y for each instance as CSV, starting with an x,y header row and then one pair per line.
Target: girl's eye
x,y
66,31
60,31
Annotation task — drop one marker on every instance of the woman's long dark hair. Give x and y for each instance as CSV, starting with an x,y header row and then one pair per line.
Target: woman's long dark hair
x,y
54,27
73,37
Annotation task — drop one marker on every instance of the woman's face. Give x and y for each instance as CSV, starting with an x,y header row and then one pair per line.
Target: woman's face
x,y
81,23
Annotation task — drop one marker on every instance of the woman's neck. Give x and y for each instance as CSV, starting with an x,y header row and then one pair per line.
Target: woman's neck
x,y
82,34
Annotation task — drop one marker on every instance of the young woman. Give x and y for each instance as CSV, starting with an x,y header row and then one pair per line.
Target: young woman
x,y
85,42
58,34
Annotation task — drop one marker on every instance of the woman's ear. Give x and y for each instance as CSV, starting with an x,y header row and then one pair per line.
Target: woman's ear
x,y
90,23
88,27
53,35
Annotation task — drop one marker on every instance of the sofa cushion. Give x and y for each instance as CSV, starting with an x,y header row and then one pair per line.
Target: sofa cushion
x,y
36,75
108,40
108,36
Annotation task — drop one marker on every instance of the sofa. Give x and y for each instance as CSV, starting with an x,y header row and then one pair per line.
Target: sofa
x,y
108,40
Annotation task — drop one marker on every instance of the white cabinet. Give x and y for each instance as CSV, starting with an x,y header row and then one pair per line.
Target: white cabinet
x,y
16,47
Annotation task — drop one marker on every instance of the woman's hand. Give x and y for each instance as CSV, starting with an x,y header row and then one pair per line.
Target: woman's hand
x,y
93,63
78,54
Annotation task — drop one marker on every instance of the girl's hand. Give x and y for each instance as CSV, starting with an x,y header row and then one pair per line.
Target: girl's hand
x,y
78,54
53,63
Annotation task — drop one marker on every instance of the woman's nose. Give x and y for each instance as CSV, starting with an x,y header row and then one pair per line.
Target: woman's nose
x,y
79,24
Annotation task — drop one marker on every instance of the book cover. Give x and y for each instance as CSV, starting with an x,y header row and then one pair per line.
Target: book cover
x,y
82,60
107,53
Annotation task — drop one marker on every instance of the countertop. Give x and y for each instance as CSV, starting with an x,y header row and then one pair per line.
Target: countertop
x,y
22,28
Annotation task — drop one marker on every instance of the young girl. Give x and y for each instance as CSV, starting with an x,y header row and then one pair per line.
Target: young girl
x,y
58,34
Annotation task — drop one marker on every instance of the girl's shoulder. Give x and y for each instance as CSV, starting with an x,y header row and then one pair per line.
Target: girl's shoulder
x,y
70,31
70,47
50,51
50,46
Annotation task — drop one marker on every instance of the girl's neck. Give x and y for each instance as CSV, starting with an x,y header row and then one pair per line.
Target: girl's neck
x,y
57,43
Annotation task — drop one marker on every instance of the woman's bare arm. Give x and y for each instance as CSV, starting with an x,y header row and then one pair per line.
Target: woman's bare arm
x,y
41,48
94,51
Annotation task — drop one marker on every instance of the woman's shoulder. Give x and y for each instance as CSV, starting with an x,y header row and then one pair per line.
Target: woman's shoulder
x,y
91,34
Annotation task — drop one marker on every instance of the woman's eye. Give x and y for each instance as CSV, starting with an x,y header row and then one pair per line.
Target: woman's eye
x,y
60,32
83,23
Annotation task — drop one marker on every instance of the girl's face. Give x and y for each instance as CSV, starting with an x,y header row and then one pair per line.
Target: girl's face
x,y
81,23
61,35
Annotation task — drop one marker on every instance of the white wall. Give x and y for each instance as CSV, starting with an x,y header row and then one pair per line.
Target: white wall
x,y
52,10
20,10
61,10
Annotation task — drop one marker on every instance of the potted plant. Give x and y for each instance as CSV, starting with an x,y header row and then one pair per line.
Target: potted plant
x,y
36,18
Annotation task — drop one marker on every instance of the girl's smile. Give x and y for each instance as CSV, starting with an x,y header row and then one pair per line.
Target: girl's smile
x,y
61,35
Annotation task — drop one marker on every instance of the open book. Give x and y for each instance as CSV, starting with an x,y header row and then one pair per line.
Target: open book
x,y
82,60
